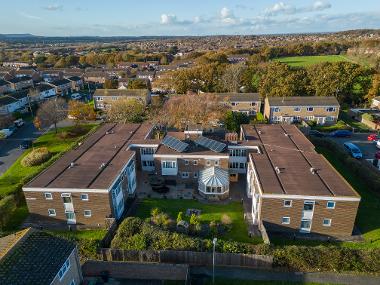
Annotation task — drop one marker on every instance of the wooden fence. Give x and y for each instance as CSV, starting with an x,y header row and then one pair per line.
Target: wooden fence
x,y
187,257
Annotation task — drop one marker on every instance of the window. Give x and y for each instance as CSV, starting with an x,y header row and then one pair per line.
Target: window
x,y
330,109
233,104
330,119
148,163
208,189
216,162
195,174
147,151
285,220
308,206
310,109
87,213
297,109
276,109
186,162
309,118
65,267
287,203
169,164
237,152
253,104
51,212
234,165
242,165
48,196
330,205
208,162
195,162
185,174
327,222
84,197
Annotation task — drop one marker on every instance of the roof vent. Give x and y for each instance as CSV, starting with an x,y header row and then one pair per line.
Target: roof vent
x,y
72,164
102,165
286,134
259,132
313,170
109,132
278,170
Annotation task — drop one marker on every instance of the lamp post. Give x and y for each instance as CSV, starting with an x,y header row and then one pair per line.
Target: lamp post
x,y
213,260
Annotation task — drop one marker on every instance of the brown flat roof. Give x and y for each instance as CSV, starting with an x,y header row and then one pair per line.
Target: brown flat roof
x,y
108,146
286,148
303,101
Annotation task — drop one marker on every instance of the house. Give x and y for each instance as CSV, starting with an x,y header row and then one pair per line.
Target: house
x,y
322,110
247,103
13,102
90,184
62,86
102,97
293,188
147,75
42,92
22,82
5,86
98,77
15,64
76,82
36,257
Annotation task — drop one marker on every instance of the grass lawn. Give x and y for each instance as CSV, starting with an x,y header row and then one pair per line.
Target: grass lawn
x,y
304,61
359,127
367,219
209,213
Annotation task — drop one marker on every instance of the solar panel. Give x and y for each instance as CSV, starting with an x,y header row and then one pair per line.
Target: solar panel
x,y
175,143
211,144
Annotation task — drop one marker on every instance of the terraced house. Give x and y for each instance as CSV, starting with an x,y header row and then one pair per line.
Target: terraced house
x,y
322,110
102,97
295,189
247,103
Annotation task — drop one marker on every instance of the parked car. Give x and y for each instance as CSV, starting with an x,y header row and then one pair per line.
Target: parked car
x,y
316,133
19,123
377,155
377,144
76,96
8,131
25,144
372,137
353,150
341,134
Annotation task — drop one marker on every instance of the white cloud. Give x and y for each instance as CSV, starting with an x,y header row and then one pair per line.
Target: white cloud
x,y
29,16
283,8
320,5
227,16
168,19
53,7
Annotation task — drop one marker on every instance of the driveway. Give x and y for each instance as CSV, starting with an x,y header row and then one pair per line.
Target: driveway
x,y
9,147
368,148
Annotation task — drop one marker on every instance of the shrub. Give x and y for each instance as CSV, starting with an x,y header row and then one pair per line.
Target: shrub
x,y
368,117
7,206
36,157
73,132
180,217
226,220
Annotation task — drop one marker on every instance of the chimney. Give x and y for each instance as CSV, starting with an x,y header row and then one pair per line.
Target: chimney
x,y
231,137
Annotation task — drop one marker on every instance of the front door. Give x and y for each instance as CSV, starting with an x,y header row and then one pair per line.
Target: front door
x,y
70,216
305,226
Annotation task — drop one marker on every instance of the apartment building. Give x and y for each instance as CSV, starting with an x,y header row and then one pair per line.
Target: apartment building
x,y
295,189
90,183
322,110
102,97
35,257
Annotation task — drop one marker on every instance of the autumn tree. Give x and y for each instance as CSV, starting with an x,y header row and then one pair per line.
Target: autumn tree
x,y
110,84
50,113
231,80
80,111
374,90
138,84
180,111
125,110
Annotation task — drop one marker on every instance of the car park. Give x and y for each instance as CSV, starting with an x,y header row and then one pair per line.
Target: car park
x,y
76,96
341,134
353,150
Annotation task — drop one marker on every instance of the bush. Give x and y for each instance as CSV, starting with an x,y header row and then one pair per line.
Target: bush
x,y
73,132
36,157
7,206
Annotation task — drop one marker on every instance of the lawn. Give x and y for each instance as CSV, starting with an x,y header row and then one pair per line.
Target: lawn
x,y
304,61
367,219
209,213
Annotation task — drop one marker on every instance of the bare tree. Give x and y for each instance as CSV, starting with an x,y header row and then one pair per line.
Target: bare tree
x,y
50,113
232,77
126,110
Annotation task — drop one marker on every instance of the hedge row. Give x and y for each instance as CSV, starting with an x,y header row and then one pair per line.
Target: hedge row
x,y
135,234
368,174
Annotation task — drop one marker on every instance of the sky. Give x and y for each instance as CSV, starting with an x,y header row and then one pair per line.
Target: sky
x,y
191,17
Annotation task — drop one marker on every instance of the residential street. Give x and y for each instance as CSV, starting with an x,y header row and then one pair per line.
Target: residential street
x,y
9,148
368,148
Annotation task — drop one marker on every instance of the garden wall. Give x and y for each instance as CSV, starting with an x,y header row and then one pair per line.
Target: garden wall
x,y
188,257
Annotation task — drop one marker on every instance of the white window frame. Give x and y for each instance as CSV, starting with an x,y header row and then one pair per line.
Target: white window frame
x,y
288,206
50,214
88,215
310,109
185,175
170,163
328,224
208,162
64,269
297,109
330,109
276,109
195,162
327,204
47,194
195,175
84,194
186,162
285,223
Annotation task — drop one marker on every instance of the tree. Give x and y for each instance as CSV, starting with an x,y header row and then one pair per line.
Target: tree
x,y
60,63
138,84
180,111
374,91
50,113
233,120
180,217
231,80
110,84
80,111
125,110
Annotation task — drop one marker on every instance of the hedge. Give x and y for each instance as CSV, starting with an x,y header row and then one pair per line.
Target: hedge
x,y
135,234
36,157
7,206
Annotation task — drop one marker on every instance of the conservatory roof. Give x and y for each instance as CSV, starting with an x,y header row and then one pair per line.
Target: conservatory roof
x,y
214,177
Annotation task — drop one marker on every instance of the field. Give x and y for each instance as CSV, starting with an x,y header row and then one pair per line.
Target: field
x,y
304,61
209,213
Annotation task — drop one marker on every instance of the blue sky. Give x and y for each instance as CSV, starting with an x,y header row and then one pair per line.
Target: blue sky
x,y
192,17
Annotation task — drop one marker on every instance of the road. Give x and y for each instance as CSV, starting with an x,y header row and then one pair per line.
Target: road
x,y
9,147
368,148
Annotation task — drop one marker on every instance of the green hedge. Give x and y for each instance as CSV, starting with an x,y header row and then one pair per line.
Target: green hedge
x,y
135,234
7,207
364,171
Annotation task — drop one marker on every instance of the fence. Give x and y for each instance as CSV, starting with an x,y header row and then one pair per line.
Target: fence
x,y
188,257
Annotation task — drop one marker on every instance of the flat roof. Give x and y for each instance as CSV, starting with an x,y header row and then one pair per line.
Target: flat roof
x,y
108,146
303,101
284,166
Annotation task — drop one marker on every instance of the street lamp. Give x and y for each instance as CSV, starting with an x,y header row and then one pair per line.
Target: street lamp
x,y
213,259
